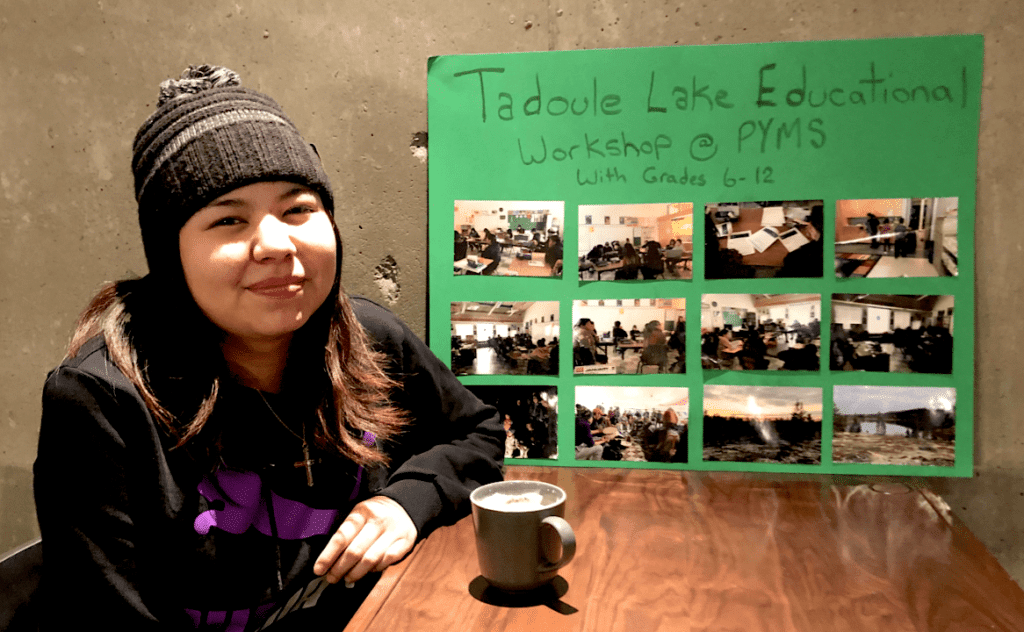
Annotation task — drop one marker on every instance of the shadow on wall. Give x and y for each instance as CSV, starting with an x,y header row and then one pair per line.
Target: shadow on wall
x,y
991,504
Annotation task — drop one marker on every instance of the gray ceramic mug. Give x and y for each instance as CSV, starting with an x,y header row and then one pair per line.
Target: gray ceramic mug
x,y
522,538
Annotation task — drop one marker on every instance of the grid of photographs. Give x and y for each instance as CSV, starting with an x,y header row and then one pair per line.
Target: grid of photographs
x,y
743,284
625,324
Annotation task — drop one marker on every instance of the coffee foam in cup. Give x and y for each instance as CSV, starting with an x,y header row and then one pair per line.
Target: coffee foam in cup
x,y
524,501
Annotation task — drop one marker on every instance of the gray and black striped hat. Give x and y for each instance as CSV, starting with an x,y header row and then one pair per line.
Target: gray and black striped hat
x,y
208,136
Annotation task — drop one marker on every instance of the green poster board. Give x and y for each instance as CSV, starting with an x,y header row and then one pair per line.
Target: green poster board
x,y
798,217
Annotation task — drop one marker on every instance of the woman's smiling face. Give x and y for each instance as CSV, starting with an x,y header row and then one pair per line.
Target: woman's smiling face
x,y
260,259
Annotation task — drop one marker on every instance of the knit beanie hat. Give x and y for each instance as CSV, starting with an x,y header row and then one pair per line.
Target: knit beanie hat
x,y
207,137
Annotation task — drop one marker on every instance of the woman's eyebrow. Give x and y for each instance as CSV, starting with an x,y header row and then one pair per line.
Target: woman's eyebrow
x,y
229,202
295,191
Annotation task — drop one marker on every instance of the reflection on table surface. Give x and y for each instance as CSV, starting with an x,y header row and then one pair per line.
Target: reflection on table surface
x,y
671,550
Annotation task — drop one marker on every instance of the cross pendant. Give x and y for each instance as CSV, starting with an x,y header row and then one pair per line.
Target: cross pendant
x,y
308,462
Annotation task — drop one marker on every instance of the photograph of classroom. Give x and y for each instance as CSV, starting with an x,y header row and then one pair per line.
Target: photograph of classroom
x,y
894,425
626,242
530,417
642,424
760,332
516,338
892,333
509,238
901,237
747,240
762,424
628,336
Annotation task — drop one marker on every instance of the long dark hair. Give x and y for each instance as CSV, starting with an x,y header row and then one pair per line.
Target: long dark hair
x,y
158,337
629,256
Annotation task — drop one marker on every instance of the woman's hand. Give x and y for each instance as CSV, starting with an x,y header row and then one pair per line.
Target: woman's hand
x,y
374,536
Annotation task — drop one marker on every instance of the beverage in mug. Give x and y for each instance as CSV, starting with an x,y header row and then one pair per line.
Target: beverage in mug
x,y
522,538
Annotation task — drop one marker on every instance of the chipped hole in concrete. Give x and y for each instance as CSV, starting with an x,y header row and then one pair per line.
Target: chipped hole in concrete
x,y
418,146
385,275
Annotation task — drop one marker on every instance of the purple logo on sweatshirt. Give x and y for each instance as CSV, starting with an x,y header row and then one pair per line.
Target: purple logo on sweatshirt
x,y
245,506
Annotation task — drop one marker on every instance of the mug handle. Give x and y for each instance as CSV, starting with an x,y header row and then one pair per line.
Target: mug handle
x,y
568,538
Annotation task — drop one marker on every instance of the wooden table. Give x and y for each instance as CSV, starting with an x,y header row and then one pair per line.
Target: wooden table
x,y
463,264
623,345
523,267
689,551
608,267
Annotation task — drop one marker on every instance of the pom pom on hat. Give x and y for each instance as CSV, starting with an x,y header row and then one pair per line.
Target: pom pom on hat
x,y
208,136
195,79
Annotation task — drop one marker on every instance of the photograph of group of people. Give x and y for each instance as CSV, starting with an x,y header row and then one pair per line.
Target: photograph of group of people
x,y
896,237
762,424
629,336
747,240
760,332
627,242
510,238
892,333
530,417
894,425
504,338
641,424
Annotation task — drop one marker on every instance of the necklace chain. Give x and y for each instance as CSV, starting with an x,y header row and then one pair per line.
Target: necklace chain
x,y
306,460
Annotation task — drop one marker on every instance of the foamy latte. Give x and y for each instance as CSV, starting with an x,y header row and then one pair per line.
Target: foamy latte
x,y
524,501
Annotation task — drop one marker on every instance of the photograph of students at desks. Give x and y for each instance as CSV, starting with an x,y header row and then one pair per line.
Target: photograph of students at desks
x,y
641,424
897,237
749,240
627,242
629,336
508,238
514,338
892,333
761,332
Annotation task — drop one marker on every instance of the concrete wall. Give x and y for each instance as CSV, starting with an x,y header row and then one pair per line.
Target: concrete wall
x,y
79,76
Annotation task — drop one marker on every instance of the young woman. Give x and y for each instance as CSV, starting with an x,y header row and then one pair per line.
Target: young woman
x,y
655,350
630,264
231,440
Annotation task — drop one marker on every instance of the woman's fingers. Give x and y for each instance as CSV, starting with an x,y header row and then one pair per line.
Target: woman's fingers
x,y
338,543
375,535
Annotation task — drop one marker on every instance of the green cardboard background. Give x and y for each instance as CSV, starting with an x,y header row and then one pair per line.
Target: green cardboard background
x,y
884,148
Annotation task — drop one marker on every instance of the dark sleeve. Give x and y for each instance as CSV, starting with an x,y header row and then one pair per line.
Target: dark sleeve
x,y
84,506
583,435
454,442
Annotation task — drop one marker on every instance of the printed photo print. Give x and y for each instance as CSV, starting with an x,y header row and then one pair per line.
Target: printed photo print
x,y
629,336
643,424
627,242
762,424
748,240
760,332
892,333
510,238
896,237
515,338
894,425
530,417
